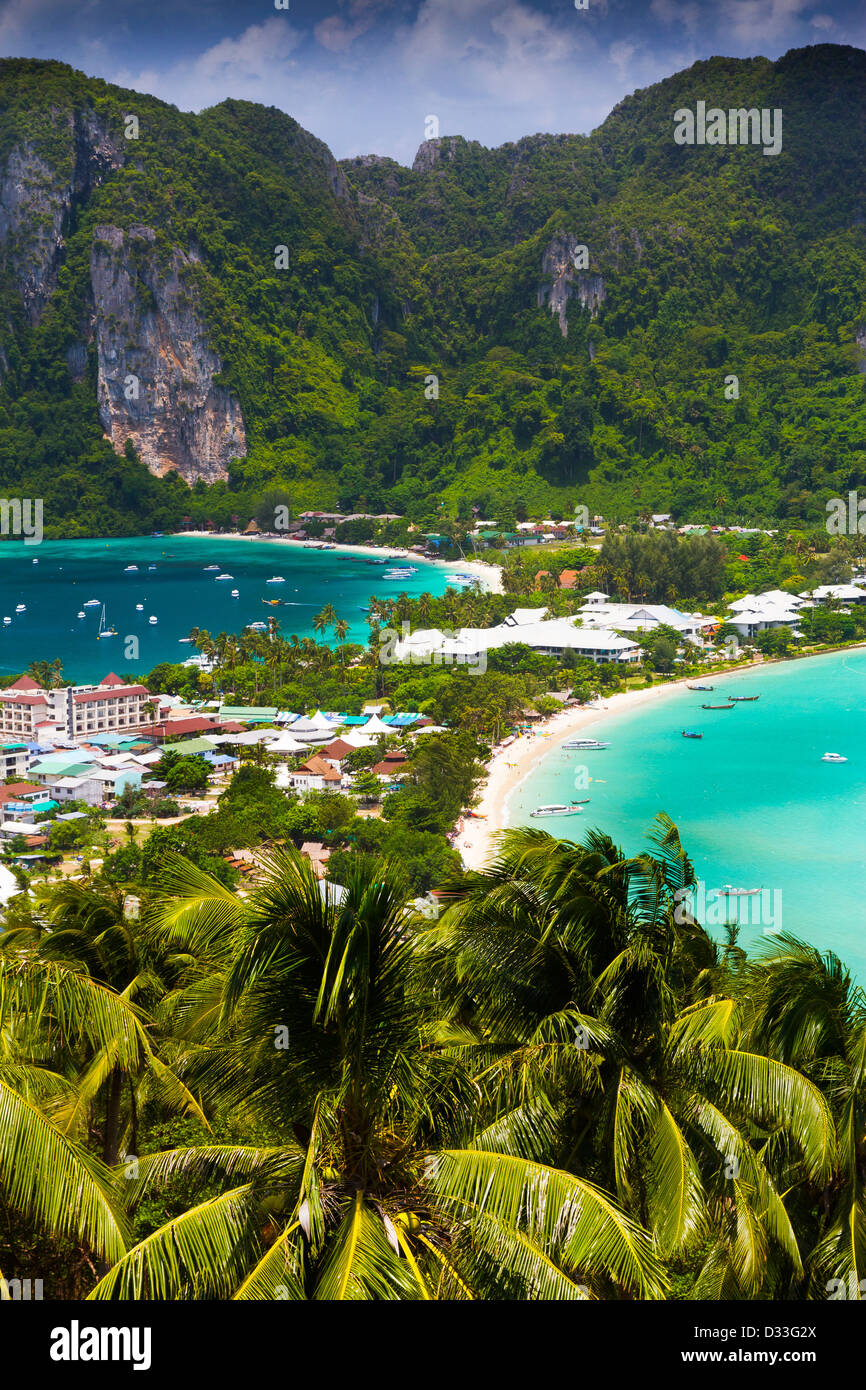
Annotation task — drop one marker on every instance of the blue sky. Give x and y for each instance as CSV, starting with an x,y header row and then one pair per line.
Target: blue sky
x,y
363,75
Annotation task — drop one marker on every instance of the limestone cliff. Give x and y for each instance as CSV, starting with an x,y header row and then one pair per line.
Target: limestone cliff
x,y
38,198
155,364
562,281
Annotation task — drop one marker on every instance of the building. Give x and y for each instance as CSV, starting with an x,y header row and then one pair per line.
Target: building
x,y
550,637
315,775
14,760
598,611
72,711
755,613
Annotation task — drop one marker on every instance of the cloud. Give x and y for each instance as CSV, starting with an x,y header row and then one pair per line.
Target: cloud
x,y
621,53
687,14
822,21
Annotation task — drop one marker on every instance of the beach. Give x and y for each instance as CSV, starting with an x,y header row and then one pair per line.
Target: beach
x,y
511,765
490,576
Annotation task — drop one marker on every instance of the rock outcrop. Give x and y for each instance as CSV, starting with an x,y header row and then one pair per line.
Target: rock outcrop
x,y
155,364
562,281
37,199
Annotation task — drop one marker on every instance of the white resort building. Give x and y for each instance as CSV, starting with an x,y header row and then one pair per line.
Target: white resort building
x,y
27,711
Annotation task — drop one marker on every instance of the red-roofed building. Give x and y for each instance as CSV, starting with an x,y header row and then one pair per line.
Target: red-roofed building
x,y
171,729
72,711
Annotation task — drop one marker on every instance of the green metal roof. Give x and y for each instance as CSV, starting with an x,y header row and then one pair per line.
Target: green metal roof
x,y
190,745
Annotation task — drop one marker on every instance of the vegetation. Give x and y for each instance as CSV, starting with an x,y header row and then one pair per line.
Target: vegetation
x,y
716,263
563,1089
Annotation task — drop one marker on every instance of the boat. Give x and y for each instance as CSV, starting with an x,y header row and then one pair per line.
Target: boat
x,y
92,603
139,608
36,562
207,568
103,630
6,622
22,608
130,569
184,639
272,602
81,613
731,892
223,576
692,733
277,579
571,810
585,743
727,706
699,687
744,699
151,567
235,593
153,620
257,627
833,758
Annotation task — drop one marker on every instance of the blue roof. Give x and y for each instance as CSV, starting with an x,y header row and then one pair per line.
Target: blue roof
x,y
400,721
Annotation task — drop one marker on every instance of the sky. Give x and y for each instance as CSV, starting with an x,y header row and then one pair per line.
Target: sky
x,y
365,75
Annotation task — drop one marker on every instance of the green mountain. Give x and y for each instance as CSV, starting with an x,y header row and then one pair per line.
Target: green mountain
x,y
200,314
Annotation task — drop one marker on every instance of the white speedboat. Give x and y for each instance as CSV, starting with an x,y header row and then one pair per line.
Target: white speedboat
x,y
833,758
92,603
277,579
130,569
22,608
151,567
153,620
223,576
574,809
731,892
235,593
184,639
36,562
139,608
257,627
81,613
584,743
210,567
6,622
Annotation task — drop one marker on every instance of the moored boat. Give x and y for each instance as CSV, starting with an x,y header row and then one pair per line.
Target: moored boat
x,y
572,809
744,699
692,733
700,687
584,743
727,706
833,758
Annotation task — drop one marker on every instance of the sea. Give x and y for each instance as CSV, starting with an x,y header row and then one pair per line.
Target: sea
x,y
755,804
54,581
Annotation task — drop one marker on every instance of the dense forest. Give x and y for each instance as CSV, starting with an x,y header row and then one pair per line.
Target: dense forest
x,y
387,334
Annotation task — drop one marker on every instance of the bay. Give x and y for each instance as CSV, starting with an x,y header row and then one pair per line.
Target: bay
x,y
179,593
754,803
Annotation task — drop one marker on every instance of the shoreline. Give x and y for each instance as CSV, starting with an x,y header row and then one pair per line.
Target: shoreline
x,y
489,575
509,767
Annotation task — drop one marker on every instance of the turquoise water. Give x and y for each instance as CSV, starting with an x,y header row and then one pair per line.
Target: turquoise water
x,y
754,804
178,592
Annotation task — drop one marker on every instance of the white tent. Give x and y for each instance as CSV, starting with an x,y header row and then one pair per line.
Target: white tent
x,y
319,724
251,736
376,727
287,743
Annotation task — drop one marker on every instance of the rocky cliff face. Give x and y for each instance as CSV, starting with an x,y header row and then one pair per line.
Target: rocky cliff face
x,y
562,281
37,198
155,365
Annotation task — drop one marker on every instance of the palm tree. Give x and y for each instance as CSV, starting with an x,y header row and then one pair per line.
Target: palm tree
x,y
577,979
805,1010
91,936
389,1176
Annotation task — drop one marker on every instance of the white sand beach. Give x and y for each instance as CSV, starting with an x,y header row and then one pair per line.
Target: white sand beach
x,y
510,765
490,576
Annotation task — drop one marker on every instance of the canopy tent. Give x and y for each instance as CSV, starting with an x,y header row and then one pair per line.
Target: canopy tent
x,y
287,743
318,724
375,726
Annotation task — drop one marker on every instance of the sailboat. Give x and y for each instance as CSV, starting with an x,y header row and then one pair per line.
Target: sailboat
x,y
103,630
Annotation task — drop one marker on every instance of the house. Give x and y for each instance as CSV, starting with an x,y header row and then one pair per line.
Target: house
x,y
836,593
336,751
568,579
755,613
315,775
390,766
